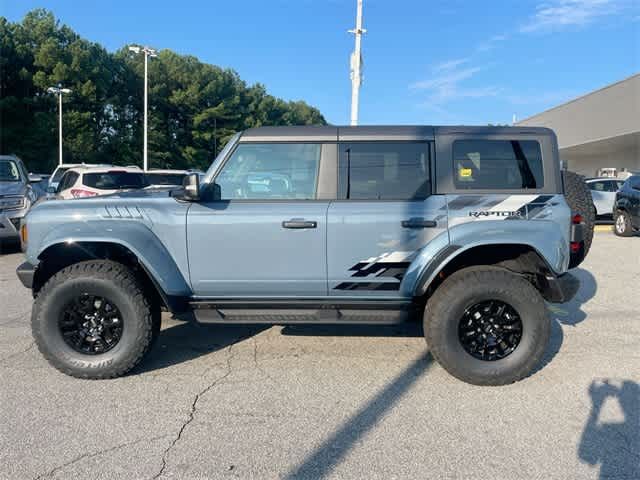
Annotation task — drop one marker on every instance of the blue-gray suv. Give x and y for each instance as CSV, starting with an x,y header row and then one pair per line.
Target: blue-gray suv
x,y
467,227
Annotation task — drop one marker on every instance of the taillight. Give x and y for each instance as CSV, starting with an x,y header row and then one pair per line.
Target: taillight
x,y
576,219
575,246
80,193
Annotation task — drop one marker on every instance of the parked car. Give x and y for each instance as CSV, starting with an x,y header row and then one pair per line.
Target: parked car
x,y
54,180
17,194
93,181
163,178
603,192
469,227
626,210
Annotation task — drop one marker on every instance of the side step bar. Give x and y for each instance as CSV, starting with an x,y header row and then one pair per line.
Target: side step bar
x,y
283,312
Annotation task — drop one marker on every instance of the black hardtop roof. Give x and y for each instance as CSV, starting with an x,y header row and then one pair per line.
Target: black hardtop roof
x,y
377,132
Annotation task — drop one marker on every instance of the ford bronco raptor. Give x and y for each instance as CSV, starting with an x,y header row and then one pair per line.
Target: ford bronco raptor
x,y
469,227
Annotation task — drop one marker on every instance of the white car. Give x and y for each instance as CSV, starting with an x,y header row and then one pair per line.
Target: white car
x,y
56,176
93,181
603,192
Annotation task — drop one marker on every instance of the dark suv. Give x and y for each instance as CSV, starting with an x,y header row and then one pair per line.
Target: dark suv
x,y
626,209
17,194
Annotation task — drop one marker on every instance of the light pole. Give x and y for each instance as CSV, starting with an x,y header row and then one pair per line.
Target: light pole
x,y
148,52
356,65
59,91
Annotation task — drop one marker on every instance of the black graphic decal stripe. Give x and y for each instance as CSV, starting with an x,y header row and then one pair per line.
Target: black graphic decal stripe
x,y
370,286
534,206
379,269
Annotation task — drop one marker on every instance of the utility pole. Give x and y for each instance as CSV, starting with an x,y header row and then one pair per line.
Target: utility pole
x,y
148,52
356,65
59,91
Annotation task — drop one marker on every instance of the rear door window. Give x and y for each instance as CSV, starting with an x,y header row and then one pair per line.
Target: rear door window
x,y
114,180
384,171
497,164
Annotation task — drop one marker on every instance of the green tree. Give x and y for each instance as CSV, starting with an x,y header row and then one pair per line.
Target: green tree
x,y
194,108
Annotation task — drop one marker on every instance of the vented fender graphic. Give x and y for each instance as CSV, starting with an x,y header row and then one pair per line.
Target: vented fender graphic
x,y
388,265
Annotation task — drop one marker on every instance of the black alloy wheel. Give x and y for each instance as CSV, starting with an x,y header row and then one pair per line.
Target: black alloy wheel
x,y
91,324
490,330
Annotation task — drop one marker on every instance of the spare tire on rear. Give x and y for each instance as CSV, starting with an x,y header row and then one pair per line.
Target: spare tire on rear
x,y
579,199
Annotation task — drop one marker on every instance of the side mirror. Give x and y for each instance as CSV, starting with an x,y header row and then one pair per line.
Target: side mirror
x,y
216,192
191,186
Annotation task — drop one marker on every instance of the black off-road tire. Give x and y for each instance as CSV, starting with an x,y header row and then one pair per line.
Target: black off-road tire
x,y
579,198
622,219
462,290
110,280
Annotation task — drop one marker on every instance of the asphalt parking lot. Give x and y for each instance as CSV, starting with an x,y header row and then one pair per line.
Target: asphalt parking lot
x,y
333,402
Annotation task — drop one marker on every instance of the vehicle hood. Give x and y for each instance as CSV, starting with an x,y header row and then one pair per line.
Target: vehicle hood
x,y
12,188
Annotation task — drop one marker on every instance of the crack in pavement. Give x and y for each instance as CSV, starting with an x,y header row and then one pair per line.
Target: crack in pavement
x,y
9,357
257,364
192,413
95,454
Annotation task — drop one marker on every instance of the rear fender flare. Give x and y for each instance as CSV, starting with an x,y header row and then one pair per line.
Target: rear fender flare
x,y
542,237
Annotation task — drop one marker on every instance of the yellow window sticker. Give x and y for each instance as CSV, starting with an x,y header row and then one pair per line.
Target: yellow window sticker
x,y
466,172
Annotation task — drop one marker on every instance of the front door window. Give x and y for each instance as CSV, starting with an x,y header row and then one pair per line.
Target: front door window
x,y
274,171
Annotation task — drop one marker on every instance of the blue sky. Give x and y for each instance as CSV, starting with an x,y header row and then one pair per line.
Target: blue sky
x,y
426,61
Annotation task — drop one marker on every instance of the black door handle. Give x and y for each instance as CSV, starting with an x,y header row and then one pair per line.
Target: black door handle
x,y
299,223
419,223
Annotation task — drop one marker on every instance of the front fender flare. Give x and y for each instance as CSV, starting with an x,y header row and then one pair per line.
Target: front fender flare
x,y
135,237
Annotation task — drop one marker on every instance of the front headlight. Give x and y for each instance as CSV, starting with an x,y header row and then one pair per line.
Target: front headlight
x,y
13,203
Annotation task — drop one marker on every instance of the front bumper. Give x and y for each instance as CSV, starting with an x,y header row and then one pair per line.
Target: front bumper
x,y
25,273
10,223
559,289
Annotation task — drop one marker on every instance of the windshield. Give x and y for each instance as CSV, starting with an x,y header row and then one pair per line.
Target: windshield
x,y
58,174
223,153
165,178
9,171
114,180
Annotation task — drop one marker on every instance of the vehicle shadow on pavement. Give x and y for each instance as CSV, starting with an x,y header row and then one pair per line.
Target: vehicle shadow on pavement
x,y
332,451
187,341
7,247
412,328
570,313
611,436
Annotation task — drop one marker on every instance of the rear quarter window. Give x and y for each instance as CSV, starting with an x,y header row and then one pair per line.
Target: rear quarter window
x,y
497,164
